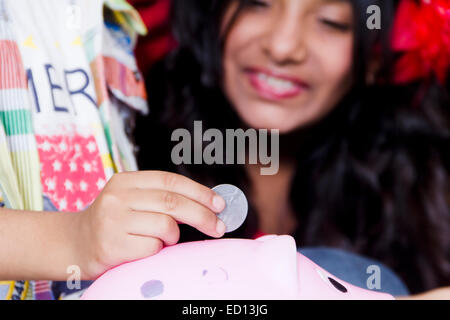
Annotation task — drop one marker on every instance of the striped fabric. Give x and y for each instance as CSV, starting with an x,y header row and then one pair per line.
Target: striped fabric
x,y
19,162
116,83
11,62
16,126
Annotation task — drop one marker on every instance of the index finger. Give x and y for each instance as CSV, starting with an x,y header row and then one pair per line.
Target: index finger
x,y
173,182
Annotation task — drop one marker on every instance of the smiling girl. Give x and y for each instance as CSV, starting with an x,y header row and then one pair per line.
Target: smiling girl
x,y
364,162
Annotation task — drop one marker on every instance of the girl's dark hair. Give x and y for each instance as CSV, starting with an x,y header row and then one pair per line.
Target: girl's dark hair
x,y
372,177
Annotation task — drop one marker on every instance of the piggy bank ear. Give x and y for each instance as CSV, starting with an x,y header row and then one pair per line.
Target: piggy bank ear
x,y
277,261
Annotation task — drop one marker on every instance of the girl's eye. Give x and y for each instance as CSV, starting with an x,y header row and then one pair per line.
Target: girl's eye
x,y
257,3
335,25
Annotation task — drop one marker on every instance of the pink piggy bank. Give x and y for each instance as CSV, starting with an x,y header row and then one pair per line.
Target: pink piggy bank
x,y
268,268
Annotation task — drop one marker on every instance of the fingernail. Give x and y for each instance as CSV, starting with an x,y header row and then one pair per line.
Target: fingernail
x,y
219,203
220,227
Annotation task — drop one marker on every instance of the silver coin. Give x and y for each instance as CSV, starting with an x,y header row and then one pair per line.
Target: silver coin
x,y
236,208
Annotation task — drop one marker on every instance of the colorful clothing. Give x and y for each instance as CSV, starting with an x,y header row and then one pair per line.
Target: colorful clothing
x,y
159,40
69,87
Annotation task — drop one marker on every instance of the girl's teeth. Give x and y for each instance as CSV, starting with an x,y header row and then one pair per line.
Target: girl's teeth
x,y
276,83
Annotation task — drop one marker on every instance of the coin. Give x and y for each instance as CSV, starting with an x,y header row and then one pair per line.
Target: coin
x,y
236,208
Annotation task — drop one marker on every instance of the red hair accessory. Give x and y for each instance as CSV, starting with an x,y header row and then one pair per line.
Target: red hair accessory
x,y
422,33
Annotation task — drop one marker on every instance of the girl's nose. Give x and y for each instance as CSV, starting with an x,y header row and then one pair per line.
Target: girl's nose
x,y
284,41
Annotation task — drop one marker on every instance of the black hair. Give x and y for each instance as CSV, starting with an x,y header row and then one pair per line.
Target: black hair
x,y
373,176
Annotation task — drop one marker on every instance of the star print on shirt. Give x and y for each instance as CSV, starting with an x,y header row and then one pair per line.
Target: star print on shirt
x,y
72,173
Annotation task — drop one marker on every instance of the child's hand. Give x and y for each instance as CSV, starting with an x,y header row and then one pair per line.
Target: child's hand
x,y
137,213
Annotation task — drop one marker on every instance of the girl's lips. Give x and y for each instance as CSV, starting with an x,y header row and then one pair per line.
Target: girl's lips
x,y
272,86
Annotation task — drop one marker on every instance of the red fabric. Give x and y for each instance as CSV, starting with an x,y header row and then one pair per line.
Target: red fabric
x,y
422,32
72,172
158,42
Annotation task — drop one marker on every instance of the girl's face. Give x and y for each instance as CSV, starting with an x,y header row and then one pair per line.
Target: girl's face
x,y
287,63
